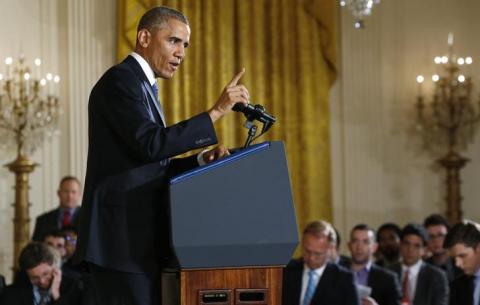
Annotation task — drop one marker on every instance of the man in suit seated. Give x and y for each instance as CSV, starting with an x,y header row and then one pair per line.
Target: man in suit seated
x,y
422,283
45,284
437,228
463,243
384,285
313,279
388,238
66,213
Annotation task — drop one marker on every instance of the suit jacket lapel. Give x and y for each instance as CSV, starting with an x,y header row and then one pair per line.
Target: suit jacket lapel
x,y
137,69
420,289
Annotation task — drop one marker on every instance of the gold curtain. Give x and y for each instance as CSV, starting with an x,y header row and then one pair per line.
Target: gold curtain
x,y
288,50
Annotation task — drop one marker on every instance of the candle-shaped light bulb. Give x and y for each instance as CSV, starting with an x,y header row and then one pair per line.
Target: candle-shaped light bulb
x,y
450,39
56,79
1,77
26,76
435,78
43,82
8,61
461,78
468,60
438,60
343,3
420,79
49,76
444,59
461,61
37,62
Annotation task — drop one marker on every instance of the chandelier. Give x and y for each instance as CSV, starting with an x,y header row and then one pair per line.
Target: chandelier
x,y
29,106
447,119
29,109
359,9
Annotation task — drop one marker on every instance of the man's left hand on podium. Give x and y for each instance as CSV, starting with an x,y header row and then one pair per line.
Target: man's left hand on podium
x,y
215,154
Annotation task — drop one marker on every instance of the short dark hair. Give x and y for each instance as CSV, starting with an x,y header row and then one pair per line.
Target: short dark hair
x,y
466,233
69,178
389,226
68,228
54,233
34,254
436,220
415,229
364,227
158,16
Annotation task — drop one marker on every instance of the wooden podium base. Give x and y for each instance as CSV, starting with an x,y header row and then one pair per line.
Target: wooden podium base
x,y
246,286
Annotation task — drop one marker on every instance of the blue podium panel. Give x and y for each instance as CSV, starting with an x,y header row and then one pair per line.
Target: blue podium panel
x,y
235,212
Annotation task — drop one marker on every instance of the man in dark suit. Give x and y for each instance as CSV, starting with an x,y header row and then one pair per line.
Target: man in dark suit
x,y
313,279
66,213
123,219
45,284
437,228
385,288
422,283
463,243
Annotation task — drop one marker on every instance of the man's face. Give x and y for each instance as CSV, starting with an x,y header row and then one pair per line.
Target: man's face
x,y
315,250
58,243
69,194
164,47
411,249
436,234
41,275
388,243
362,246
466,258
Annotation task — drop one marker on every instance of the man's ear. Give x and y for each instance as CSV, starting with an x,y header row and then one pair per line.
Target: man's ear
x,y
144,38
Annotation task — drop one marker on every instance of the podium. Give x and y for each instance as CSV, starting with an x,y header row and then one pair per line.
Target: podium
x,y
232,229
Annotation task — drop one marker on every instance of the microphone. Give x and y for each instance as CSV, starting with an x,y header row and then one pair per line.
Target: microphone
x,y
255,112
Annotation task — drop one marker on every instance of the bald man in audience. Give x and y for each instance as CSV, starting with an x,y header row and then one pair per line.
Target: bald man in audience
x,y
65,214
313,279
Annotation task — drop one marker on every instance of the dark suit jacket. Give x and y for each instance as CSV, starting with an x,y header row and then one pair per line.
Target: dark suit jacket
x,y
48,222
432,285
385,285
22,293
461,290
335,287
123,218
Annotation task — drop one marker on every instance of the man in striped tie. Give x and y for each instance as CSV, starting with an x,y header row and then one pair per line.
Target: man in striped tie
x,y
312,279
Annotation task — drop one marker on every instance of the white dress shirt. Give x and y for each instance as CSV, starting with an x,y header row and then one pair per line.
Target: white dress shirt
x,y
413,272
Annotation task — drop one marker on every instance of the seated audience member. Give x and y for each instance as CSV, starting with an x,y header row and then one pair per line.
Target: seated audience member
x,y
313,279
388,238
437,228
46,284
463,243
336,257
56,240
66,214
422,283
68,268
385,288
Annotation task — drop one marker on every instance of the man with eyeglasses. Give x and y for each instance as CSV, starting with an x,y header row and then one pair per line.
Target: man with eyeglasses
x,y
422,283
437,228
46,284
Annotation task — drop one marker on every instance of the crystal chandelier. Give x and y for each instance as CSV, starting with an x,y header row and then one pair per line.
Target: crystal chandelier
x,y
359,9
448,119
29,106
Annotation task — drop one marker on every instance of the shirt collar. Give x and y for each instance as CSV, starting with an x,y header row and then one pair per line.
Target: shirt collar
x,y
145,67
318,272
414,269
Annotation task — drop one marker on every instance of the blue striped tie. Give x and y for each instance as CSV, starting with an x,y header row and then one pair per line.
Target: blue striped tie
x,y
310,288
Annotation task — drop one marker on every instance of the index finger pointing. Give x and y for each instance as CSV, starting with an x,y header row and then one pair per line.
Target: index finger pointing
x,y
236,78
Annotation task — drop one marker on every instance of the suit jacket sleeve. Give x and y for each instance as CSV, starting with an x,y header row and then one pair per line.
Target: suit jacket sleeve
x,y
124,108
440,289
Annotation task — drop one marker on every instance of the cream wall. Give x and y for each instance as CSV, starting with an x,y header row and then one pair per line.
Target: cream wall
x,y
379,172
75,39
